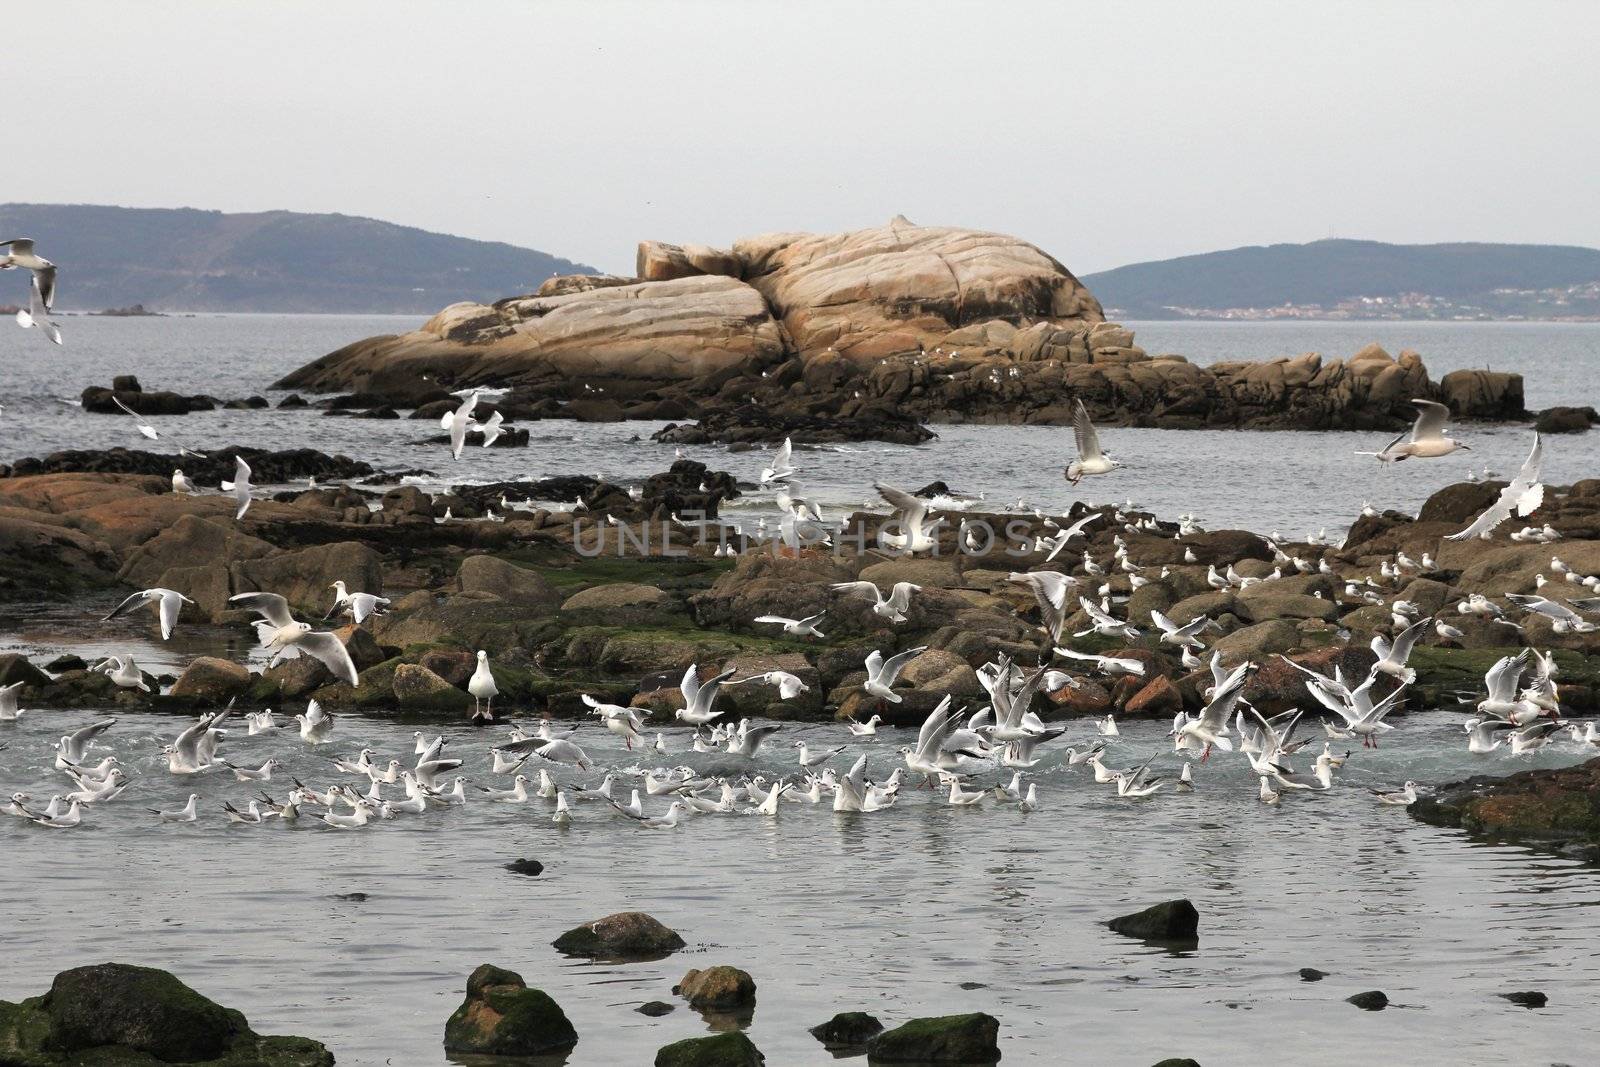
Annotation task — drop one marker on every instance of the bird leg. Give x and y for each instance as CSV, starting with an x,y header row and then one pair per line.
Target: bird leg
x,y
1207,753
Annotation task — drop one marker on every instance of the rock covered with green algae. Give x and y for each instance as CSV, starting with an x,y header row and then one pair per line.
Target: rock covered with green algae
x,y
117,1013
501,1016
1557,809
971,1039
731,1049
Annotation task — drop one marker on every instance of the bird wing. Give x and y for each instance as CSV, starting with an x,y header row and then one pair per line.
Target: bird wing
x,y
914,509
859,590
241,471
1094,612
134,600
780,459
1542,605
1084,434
1501,681
1492,516
330,650
270,606
1529,492
1166,625
706,695
1431,417
171,606
691,682
934,729
893,665
777,619
900,595
93,730
1407,639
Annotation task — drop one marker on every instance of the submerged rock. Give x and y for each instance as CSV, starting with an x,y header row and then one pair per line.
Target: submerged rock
x,y
847,1030
1311,974
530,867
732,1049
1530,998
501,1016
1371,1000
656,1008
121,1013
1171,920
624,935
1553,808
940,1039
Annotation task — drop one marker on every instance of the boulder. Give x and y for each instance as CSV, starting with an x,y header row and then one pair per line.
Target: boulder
x,y
1564,420
658,261
1281,605
731,1049
416,688
1258,641
1171,920
501,1016
1158,699
719,987
119,1013
1372,1000
1528,998
1556,808
511,583
961,1039
624,935
211,680
15,667
848,1029
621,604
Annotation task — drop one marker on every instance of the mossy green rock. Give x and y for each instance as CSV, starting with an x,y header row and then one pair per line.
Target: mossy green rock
x,y
503,1017
114,1013
847,1030
624,935
732,1049
1559,807
941,1039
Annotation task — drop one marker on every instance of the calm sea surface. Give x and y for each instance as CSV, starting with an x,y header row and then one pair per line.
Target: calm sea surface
x,y
918,910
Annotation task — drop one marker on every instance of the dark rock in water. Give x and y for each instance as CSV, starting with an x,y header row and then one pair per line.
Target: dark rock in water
x,y
510,437
732,1049
624,935
719,987
248,403
126,383
378,413
656,1008
532,868
99,400
354,898
1311,974
933,489
1565,420
290,465
68,662
1528,998
15,667
503,1017
1171,920
1372,1000
1554,808
129,1014
942,1039
847,1029
293,400
1179,1062
752,423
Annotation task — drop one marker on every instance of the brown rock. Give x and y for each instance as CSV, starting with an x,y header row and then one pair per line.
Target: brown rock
x,y
210,680
1159,698
718,987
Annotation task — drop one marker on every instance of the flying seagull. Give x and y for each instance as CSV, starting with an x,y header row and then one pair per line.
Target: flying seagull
x,y
1428,440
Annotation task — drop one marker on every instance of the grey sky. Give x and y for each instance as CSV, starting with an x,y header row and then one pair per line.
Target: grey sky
x,y
1105,133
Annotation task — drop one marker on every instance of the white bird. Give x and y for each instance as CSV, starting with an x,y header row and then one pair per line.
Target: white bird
x,y
809,759
37,314
624,722
1404,797
316,725
859,729
1107,664
1564,619
1101,621
360,816
1050,591
1092,459
286,638
259,774
700,698
1427,437
64,821
1185,636
892,607
780,469
881,673
123,671
517,794
482,687
360,605
910,517
9,709
788,685
458,421
1268,795
188,813
240,486
806,627
1522,496
1392,657
492,429
1107,727
1211,728
167,602
43,271
182,484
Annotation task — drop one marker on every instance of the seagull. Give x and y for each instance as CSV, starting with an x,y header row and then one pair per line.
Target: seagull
x,y
144,427
809,759
910,516
700,699
788,685
1091,458
806,627
360,605
9,711
458,420
1564,619
1403,798
517,794
316,725
1523,496
482,687
892,607
1184,636
1050,591
749,738
188,813
37,314
779,470
182,484
1428,440
1211,728
240,486
123,671
492,429
1107,664
44,272
1392,658
624,722
285,638
64,821
881,673
1102,622
167,602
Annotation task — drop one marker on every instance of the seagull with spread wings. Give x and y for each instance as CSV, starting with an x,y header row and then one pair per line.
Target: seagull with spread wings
x,y
287,638
1523,496
1092,459
1427,438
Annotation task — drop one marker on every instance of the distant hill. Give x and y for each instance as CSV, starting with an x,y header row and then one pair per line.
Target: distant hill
x,y
1360,279
187,260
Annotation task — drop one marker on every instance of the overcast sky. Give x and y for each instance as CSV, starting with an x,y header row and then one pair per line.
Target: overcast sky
x,y
1106,133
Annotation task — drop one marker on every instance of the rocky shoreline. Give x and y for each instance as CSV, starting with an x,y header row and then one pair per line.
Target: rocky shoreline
x,y
569,601
937,324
